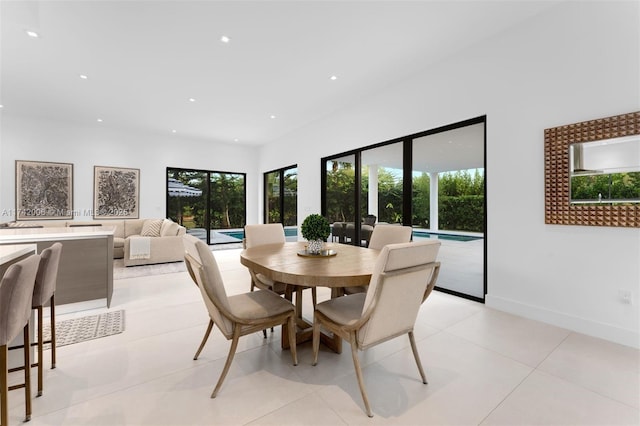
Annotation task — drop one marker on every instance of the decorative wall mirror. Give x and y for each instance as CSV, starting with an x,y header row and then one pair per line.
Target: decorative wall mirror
x,y
592,172
606,171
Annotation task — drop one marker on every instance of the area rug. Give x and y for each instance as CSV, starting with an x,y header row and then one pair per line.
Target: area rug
x,y
81,329
121,272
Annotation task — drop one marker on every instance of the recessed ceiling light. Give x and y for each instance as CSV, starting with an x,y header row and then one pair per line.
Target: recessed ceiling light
x,y
99,120
225,39
32,34
192,100
272,116
236,140
333,77
173,131
84,77
1,106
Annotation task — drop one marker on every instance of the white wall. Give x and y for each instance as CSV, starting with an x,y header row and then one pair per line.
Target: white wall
x,y
579,61
32,139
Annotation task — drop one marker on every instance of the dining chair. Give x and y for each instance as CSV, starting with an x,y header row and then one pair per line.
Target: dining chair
x,y
16,292
272,233
258,235
189,247
380,237
404,275
237,315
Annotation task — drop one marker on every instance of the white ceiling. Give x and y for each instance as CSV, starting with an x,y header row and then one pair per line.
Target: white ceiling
x,y
145,59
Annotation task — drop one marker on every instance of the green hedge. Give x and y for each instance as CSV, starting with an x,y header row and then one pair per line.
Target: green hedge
x,y
463,213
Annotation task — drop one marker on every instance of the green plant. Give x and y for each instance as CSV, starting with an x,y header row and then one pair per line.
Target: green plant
x,y
315,227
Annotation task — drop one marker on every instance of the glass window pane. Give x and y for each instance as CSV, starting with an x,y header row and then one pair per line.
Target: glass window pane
x,y
448,204
227,201
382,183
186,200
272,197
340,196
290,197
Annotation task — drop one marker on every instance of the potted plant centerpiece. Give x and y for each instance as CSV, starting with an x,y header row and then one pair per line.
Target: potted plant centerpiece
x,y
316,230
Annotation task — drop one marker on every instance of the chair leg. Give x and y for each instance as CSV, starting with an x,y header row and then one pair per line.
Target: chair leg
x,y
314,297
204,339
40,351
52,309
292,339
227,364
4,387
414,348
316,339
356,365
27,374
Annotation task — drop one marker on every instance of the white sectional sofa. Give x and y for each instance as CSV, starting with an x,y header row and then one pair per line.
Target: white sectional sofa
x,y
162,238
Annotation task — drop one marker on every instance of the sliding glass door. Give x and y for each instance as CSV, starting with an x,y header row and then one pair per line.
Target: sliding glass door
x,y
281,199
340,197
433,181
210,204
281,196
449,204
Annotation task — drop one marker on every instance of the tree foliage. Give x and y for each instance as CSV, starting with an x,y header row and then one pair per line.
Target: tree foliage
x,y
226,195
614,186
460,193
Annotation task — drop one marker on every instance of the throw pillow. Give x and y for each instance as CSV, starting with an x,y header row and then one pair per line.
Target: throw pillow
x,y
151,228
169,228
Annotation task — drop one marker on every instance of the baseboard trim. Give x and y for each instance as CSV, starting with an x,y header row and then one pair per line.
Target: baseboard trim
x,y
580,325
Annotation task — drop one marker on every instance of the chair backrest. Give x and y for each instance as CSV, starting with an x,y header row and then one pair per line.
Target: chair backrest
x,y
205,271
189,242
268,233
401,279
389,234
16,292
47,275
369,219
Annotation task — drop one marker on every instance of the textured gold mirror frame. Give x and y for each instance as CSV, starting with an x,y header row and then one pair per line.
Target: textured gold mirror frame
x,y
558,209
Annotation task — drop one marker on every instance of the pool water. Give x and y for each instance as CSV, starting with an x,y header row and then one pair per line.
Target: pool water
x,y
292,232
234,234
288,232
450,237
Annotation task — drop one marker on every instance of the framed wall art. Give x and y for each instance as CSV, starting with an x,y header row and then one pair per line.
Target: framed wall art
x,y
44,190
116,193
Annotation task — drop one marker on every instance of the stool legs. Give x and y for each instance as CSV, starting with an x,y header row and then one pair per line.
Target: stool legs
x,y
27,375
52,309
41,342
39,364
4,373
4,387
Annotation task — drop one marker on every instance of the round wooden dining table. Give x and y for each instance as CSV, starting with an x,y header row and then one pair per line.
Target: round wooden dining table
x,y
288,263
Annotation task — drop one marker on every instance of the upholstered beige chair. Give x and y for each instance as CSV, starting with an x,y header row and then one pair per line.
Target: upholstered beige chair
x,y
258,235
403,278
272,233
236,315
380,237
16,292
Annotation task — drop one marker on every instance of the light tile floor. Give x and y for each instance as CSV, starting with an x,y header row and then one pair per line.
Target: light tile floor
x,y
484,367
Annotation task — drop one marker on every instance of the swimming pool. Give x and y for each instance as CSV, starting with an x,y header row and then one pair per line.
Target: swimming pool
x,y
239,234
450,237
292,232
